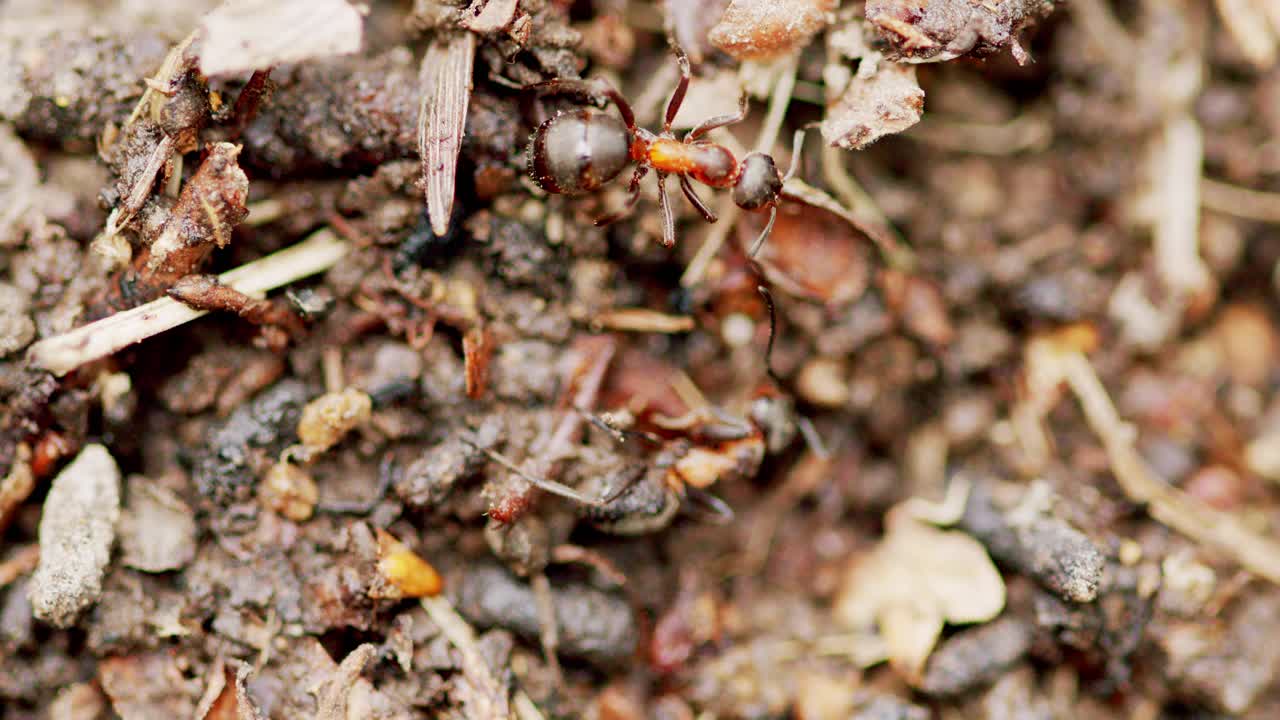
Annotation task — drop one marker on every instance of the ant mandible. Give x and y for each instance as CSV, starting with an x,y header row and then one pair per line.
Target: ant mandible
x,y
577,152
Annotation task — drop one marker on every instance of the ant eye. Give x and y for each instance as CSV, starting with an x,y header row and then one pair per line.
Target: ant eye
x,y
759,183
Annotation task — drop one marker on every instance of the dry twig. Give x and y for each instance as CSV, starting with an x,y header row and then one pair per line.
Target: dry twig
x,y
63,353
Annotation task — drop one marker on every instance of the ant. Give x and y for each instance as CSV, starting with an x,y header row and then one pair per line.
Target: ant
x,y
577,152
694,451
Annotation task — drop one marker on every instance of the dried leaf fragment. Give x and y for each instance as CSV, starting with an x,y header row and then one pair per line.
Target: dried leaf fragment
x,y
813,252
918,578
769,29
886,102
243,35
407,575
445,82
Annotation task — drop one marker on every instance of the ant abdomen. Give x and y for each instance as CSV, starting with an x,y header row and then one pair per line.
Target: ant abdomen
x,y
577,152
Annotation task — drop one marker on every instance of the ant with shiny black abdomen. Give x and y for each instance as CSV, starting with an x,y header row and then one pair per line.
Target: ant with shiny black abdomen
x,y
577,152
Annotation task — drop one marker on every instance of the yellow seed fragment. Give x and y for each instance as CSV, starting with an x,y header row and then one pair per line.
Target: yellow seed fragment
x,y
289,490
331,416
404,571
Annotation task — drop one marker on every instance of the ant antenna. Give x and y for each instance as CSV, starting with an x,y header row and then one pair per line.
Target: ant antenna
x,y
764,234
550,486
796,145
619,434
773,331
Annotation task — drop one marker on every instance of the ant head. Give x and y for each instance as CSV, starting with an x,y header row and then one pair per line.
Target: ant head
x,y
775,415
759,183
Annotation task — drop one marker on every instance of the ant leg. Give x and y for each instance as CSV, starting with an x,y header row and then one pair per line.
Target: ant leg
x,y
589,90
773,331
677,96
764,234
550,486
633,190
668,219
696,201
624,107
719,121
703,505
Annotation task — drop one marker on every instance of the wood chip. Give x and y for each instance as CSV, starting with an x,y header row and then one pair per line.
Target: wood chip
x,y
445,81
244,35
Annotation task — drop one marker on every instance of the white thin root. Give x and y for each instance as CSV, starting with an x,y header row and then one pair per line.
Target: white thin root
x,y
63,353
643,320
1247,22
1240,202
1220,530
1177,168
487,696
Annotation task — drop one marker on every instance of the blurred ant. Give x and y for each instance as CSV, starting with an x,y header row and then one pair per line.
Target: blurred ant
x,y
695,450
577,152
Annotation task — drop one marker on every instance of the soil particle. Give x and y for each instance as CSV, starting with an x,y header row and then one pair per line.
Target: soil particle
x,y
1231,667
349,113
157,529
428,481
950,28
594,626
887,707
63,87
1052,552
76,532
975,657
243,446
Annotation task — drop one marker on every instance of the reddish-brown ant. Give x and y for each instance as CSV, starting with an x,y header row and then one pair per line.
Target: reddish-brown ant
x,y
699,448
577,152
